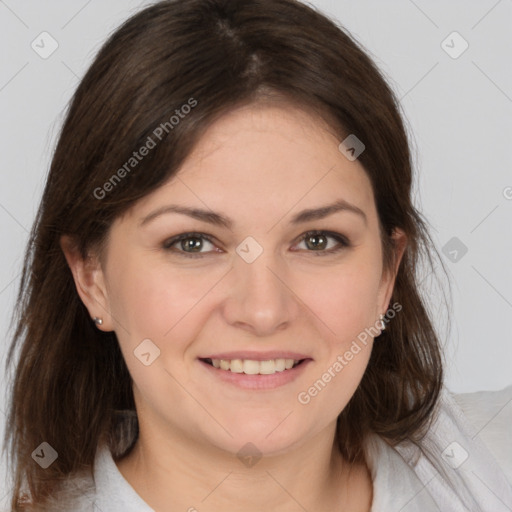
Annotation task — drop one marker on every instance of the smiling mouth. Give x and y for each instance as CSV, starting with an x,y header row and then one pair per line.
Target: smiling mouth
x,y
253,367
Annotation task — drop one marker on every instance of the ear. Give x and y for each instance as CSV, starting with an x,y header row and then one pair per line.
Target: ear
x,y
389,276
89,281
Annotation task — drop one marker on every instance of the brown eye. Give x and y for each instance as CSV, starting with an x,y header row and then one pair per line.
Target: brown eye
x,y
193,244
318,242
188,244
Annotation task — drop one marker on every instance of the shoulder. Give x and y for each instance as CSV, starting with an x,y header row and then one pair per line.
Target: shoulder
x,y
76,493
464,459
81,491
462,462
490,416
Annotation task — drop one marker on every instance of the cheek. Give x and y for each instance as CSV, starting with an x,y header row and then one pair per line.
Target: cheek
x,y
156,301
345,303
344,298
141,299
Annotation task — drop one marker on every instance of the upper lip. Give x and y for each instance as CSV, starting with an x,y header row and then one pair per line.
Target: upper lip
x,y
258,356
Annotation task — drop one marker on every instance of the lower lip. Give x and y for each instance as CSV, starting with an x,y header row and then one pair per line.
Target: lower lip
x,y
245,381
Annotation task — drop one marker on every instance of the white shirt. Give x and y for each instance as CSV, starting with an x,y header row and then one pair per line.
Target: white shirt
x,y
464,463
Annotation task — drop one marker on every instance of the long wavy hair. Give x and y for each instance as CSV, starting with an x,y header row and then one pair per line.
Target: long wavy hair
x,y
69,378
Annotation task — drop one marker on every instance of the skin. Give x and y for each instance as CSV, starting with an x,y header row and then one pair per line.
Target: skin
x,y
258,165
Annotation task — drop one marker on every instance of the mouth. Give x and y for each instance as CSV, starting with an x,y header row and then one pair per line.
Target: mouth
x,y
253,366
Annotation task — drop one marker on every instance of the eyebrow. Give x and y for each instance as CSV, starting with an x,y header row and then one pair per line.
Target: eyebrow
x,y
218,219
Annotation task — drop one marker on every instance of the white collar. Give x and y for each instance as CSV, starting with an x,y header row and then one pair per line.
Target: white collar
x,y
113,492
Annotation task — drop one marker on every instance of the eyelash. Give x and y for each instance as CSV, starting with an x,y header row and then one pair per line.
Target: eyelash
x,y
342,241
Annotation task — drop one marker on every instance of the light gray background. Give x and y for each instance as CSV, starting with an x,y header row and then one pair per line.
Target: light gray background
x,y
458,110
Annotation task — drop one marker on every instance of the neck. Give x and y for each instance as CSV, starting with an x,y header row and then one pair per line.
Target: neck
x,y
175,472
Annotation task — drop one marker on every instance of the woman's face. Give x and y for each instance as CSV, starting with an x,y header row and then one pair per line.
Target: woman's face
x,y
248,284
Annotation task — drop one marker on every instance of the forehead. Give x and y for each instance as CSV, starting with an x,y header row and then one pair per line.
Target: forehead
x,y
265,158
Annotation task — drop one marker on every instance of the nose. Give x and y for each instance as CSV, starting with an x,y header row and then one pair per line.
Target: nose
x,y
259,299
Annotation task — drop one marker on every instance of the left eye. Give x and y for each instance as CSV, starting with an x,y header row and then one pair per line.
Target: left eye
x,y
317,241
191,244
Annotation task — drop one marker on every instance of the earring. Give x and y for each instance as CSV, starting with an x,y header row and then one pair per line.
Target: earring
x,y
98,321
382,323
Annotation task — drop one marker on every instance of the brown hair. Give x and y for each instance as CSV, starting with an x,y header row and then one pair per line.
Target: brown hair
x,y
70,378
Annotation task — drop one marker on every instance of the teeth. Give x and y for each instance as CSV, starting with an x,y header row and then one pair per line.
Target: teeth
x,y
266,367
250,367
253,367
237,365
280,365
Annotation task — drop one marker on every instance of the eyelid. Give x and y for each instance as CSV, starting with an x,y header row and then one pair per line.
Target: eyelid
x,y
342,240
183,236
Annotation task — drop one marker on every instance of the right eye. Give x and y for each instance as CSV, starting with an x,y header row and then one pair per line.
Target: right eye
x,y
190,244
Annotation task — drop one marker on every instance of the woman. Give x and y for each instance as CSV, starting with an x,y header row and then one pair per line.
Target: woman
x,y
219,308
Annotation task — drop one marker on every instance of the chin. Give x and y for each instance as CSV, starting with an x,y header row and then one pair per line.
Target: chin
x,y
269,438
